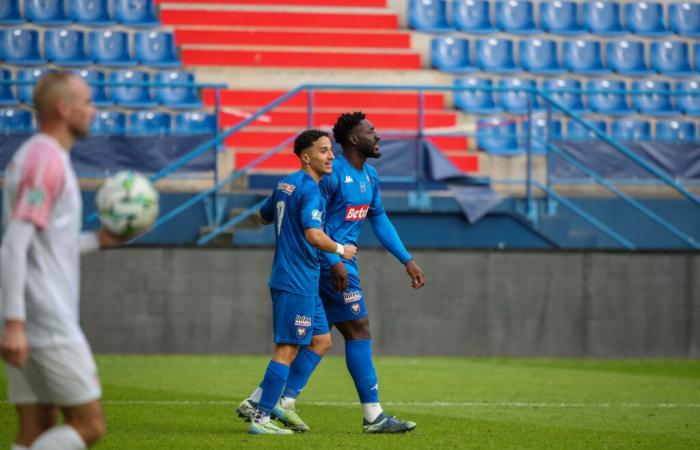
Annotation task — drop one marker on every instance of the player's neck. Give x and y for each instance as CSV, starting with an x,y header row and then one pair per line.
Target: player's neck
x,y
61,134
355,158
310,172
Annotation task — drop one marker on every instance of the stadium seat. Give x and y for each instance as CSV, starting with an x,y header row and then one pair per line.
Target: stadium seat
x,y
576,131
155,49
7,97
671,58
131,96
31,76
515,102
46,12
177,97
610,101
472,16
110,48
136,13
479,101
684,19
65,47
93,78
495,55
583,57
675,130
90,12
631,130
498,135
559,90
20,46
428,15
539,134
688,103
450,54
652,103
9,13
645,18
15,120
627,58
515,16
560,17
696,56
539,56
108,122
195,122
602,17
150,123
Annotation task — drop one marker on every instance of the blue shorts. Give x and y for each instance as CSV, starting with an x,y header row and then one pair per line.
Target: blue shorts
x,y
296,318
342,306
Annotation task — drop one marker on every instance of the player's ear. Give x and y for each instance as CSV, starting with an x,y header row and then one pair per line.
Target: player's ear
x,y
353,139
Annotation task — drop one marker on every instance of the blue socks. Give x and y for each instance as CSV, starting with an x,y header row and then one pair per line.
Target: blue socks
x,y
300,371
272,385
358,357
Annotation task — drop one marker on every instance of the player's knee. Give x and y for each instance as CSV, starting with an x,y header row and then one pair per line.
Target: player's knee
x,y
321,344
93,430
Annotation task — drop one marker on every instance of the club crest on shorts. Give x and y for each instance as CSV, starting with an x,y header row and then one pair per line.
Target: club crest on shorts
x,y
301,332
355,308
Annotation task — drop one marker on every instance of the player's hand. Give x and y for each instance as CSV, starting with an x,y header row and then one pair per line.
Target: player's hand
x,y
416,274
109,240
350,251
339,274
14,348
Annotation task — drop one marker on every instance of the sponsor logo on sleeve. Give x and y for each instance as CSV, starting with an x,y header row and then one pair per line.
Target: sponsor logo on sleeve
x,y
317,215
352,296
286,188
35,197
356,212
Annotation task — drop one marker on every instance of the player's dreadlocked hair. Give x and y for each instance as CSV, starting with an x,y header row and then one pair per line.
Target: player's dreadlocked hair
x,y
306,139
344,125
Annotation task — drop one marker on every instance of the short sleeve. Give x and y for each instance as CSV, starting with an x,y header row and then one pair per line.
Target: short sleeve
x,y
311,207
41,182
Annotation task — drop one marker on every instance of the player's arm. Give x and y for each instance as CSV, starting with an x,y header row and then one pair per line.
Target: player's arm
x,y
312,221
321,241
91,241
266,215
330,186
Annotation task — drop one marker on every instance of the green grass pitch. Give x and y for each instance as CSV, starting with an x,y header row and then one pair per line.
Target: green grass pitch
x,y
188,402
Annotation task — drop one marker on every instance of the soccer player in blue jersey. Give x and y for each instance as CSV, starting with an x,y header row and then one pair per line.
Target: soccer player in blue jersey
x,y
296,208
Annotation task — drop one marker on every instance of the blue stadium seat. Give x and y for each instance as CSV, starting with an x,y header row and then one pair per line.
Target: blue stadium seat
x,y
136,13
652,103
450,54
15,120
627,58
560,17
108,122
498,135
7,96
608,101
539,56
515,102
65,47
583,57
9,13
675,130
515,16
684,19
428,15
478,101
155,49
177,97
576,131
90,12
645,18
631,130
20,46
131,96
558,90
46,12
539,134
689,102
495,55
696,56
93,78
671,58
195,122
25,91
110,48
150,123
602,17
472,16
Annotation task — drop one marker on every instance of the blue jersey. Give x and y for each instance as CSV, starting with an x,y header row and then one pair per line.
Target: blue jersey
x,y
352,196
295,205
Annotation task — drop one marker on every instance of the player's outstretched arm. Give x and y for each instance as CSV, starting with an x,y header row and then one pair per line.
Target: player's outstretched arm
x,y
321,241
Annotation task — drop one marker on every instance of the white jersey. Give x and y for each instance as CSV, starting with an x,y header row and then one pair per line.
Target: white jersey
x,y
42,188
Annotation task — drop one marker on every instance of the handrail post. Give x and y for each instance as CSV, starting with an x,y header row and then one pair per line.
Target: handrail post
x,y
309,107
421,199
217,150
530,208
551,203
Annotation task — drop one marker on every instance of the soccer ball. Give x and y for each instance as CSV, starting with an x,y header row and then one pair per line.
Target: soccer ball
x,y
127,203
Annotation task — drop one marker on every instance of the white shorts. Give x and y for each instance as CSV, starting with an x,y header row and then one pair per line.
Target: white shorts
x,y
64,375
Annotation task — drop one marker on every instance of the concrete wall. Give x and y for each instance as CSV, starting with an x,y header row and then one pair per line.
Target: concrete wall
x,y
176,300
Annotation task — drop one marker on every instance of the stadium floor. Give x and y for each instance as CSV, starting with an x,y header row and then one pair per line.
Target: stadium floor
x,y
188,402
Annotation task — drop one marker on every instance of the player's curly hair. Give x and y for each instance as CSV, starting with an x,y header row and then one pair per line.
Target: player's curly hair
x,y
344,125
306,139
